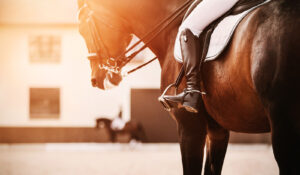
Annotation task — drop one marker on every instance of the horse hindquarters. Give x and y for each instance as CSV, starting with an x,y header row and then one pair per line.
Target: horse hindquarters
x,y
281,100
276,76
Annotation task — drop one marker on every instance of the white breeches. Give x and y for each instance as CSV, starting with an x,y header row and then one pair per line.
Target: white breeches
x,y
205,13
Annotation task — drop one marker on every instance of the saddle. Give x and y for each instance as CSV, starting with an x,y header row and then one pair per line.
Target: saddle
x,y
205,36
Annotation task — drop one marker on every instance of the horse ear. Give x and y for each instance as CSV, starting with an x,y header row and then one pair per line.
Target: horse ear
x,y
120,113
80,3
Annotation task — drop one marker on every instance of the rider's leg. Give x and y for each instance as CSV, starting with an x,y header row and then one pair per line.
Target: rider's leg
x,y
191,96
205,13
187,48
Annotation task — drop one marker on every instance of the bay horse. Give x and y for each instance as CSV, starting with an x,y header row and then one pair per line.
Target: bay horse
x,y
253,87
134,129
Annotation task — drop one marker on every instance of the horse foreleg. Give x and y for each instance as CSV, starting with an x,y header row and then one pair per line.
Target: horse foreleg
x,y
141,133
216,146
111,134
192,134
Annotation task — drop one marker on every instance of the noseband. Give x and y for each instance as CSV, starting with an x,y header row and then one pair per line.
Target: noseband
x,y
115,65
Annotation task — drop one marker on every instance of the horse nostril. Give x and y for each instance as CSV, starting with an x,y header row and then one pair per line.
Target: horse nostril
x,y
94,82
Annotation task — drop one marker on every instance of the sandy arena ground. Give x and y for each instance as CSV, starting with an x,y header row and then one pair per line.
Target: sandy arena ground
x,y
123,159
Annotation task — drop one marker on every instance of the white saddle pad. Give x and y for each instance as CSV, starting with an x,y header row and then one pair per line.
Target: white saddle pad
x,y
223,33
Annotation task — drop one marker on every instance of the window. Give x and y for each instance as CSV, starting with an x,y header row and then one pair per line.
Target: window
x,y
44,49
44,103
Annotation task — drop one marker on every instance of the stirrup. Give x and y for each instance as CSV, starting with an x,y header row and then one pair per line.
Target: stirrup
x,y
167,106
162,100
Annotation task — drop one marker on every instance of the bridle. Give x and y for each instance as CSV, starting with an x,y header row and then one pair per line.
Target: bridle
x,y
115,65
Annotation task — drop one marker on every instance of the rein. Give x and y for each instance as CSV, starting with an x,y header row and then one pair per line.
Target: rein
x,y
115,64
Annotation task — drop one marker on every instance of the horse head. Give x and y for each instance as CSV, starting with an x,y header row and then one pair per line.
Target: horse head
x,y
106,36
107,27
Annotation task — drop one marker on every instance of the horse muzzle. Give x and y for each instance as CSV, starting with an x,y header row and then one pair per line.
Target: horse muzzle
x,y
96,83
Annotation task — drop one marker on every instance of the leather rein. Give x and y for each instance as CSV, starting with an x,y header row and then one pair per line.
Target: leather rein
x,y
115,64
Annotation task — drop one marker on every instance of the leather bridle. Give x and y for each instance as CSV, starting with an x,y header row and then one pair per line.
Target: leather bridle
x,y
115,65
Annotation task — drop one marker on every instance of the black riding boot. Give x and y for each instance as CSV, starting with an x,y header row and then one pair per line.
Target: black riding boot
x,y
191,96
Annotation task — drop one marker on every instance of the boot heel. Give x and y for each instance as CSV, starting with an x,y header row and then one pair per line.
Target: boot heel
x,y
191,107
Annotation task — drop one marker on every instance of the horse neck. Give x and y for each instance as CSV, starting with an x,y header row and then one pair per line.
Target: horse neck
x,y
143,15
148,13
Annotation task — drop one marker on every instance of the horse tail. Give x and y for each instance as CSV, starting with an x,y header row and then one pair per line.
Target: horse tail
x,y
97,124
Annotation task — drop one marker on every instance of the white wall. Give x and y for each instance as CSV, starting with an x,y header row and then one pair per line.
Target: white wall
x,y
80,102
38,11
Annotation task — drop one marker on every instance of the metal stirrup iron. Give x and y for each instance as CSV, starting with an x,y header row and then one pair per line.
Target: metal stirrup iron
x,y
161,98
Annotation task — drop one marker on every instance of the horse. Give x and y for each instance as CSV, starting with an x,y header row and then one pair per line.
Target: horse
x,y
134,129
253,86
